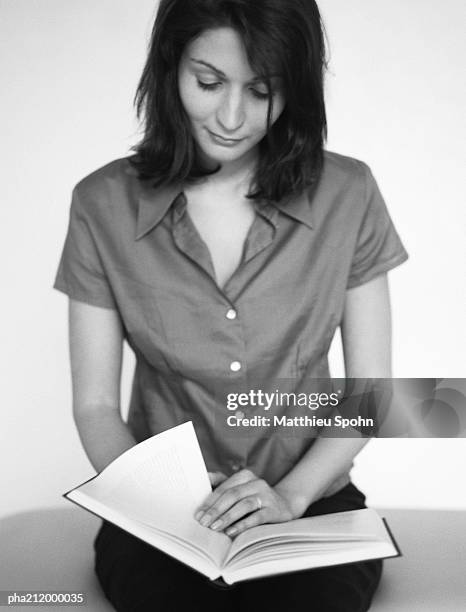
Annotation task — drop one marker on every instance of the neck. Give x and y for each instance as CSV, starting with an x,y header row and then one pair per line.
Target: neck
x,y
235,175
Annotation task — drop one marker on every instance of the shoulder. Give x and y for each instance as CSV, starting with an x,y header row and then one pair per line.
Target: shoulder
x,y
347,178
107,189
116,173
342,192
343,169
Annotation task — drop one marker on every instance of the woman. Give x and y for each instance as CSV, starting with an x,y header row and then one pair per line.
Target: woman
x,y
227,251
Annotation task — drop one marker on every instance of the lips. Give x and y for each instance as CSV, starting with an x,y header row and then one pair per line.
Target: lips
x,y
223,139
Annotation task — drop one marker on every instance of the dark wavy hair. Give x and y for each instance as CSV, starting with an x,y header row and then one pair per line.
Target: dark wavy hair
x,y
284,37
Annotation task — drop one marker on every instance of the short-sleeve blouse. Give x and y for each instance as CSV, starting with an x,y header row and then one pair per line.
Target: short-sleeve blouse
x,y
134,248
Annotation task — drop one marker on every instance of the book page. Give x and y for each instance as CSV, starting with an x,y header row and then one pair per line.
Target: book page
x,y
307,559
331,539
355,525
160,482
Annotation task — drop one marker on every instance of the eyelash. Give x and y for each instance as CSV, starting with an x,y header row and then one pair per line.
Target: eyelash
x,y
214,86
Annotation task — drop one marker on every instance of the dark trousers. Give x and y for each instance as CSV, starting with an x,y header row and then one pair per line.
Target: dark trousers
x,y
136,577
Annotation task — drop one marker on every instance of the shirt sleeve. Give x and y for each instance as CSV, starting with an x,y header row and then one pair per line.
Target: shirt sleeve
x,y
80,272
378,247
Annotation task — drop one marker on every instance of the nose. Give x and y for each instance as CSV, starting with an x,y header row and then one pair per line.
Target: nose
x,y
231,112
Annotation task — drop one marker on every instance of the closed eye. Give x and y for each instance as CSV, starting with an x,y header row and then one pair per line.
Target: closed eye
x,y
213,86
208,86
260,95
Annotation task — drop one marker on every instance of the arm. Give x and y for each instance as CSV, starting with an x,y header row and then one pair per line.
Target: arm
x,y
96,343
366,335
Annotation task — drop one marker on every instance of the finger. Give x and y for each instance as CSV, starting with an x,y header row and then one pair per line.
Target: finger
x,y
209,501
253,520
237,479
244,507
223,501
216,478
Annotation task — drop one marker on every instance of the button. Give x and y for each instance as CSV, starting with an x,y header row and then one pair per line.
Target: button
x,y
239,414
235,366
231,314
236,466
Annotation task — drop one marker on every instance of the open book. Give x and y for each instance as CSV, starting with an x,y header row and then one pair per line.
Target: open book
x,y
154,489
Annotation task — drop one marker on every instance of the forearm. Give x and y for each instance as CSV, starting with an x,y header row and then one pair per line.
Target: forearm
x,y
104,435
314,473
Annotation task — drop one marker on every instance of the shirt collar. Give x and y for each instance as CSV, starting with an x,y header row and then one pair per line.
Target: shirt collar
x,y
155,202
153,206
298,207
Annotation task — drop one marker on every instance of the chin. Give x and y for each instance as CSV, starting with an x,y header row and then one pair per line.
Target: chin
x,y
221,157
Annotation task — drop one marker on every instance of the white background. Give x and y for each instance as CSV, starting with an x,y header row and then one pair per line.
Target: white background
x,y
395,94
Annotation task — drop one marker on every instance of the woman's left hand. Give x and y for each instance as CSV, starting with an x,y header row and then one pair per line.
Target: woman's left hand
x,y
245,501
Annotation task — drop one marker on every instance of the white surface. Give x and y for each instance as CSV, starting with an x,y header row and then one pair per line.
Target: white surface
x,y
52,549
68,72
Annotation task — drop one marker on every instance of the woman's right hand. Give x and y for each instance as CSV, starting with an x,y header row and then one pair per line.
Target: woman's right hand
x,y
216,478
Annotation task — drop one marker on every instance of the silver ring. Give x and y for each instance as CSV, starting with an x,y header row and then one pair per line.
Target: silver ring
x,y
259,504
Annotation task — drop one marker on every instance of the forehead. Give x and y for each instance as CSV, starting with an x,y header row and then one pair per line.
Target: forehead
x,y
224,49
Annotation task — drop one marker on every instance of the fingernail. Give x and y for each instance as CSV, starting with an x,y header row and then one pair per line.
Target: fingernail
x,y
198,515
216,525
205,520
231,531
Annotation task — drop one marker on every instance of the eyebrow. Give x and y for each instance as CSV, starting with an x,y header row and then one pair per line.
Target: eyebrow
x,y
210,66
223,75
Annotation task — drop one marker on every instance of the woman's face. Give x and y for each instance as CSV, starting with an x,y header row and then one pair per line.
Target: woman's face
x,y
224,100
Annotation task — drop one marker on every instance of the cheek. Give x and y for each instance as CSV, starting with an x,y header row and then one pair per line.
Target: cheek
x,y
258,117
258,121
195,103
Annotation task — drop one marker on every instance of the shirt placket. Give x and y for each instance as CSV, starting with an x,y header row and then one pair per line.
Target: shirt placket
x,y
259,238
190,244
